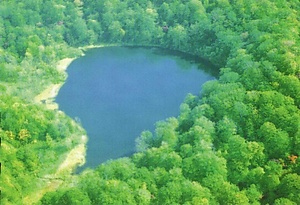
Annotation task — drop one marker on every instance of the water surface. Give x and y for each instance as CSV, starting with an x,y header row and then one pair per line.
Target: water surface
x,y
118,92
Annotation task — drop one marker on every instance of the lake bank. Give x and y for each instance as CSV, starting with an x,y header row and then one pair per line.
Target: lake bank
x,y
73,159
48,95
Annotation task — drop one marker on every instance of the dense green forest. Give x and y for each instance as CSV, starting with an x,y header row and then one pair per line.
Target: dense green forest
x,y
237,142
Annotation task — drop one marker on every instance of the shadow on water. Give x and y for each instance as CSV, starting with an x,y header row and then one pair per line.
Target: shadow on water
x,y
201,63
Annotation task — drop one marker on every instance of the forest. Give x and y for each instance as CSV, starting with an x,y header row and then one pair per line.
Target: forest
x,y
237,142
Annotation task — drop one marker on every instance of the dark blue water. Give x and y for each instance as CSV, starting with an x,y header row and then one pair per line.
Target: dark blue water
x,y
118,92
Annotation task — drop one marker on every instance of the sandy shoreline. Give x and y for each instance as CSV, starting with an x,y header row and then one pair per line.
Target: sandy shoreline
x,y
63,64
74,158
47,96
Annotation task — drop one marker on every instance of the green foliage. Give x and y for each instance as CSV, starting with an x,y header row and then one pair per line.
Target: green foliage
x,y
290,187
27,153
70,196
276,142
202,165
144,141
232,144
223,191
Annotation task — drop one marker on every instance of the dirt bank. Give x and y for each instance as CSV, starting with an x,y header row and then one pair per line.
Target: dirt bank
x,y
48,95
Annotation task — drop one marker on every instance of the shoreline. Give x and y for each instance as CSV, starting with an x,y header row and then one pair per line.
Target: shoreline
x,y
85,48
48,95
74,158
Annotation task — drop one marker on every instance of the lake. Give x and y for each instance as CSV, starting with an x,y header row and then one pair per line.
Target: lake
x,y
118,92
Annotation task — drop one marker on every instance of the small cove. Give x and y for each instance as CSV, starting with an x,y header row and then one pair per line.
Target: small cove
x,y
118,92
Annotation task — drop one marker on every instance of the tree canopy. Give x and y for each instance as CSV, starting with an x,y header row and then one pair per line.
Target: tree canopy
x,y
237,142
